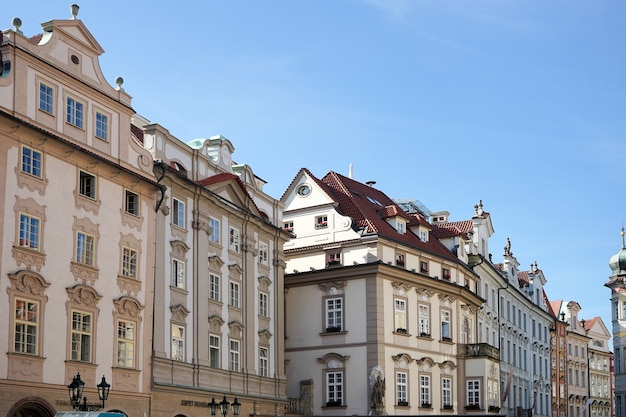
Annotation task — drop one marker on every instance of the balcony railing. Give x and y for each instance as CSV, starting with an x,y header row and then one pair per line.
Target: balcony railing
x,y
482,350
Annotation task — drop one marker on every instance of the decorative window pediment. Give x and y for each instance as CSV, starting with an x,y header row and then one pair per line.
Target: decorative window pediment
x,y
235,271
179,248
333,288
215,263
179,313
264,336
235,329
402,360
29,282
264,283
83,295
215,323
128,306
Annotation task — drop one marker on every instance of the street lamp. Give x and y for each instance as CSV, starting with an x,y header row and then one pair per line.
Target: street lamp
x,y
75,389
224,404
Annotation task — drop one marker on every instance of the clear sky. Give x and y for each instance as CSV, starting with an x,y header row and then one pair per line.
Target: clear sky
x,y
519,103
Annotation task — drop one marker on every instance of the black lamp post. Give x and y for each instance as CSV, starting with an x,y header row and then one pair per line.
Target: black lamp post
x,y
224,405
79,403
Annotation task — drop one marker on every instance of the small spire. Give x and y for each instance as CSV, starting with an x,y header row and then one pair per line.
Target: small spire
x,y
623,244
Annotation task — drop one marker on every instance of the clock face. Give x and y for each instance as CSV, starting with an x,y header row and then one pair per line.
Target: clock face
x,y
304,190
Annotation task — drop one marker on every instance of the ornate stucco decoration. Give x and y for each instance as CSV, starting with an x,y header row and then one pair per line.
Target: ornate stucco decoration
x,y
446,299
402,360
235,271
333,288
264,283
215,263
424,294
215,324
29,282
179,248
179,313
235,329
400,288
128,306
264,336
84,295
200,225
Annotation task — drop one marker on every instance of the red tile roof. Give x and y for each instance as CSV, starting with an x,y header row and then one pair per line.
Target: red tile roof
x,y
368,207
225,177
453,229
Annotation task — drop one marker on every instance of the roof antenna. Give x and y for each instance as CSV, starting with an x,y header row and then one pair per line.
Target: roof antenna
x,y
74,10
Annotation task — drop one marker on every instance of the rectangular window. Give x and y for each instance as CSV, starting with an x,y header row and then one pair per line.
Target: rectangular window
x,y
424,318
178,273
334,388
84,248
81,336
321,222
400,227
214,236
473,392
87,186
129,262
446,393
263,253
234,294
233,239
214,351
234,355
178,343
26,326
425,390
263,361
214,287
74,112
424,267
263,305
400,315
401,388
288,226
400,259
446,334
29,231
446,274
131,203
423,236
178,215
31,162
334,314
125,344
46,98
334,258
102,126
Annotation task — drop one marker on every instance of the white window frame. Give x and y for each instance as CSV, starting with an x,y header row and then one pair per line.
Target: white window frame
x,y
74,112
27,316
214,236
288,226
31,162
263,304
215,283
334,386
235,355
101,128
234,294
264,253
87,185
214,351
472,390
424,319
400,312
234,238
131,203
29,231
82,327
333,307
321,222
46,98
130,259
446,392
402,384
125,343
178,274
425,391
263,361
85,248
178,342
334,258
178,212
446,325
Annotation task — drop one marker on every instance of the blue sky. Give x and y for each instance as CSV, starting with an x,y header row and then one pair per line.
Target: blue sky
x,y
518,103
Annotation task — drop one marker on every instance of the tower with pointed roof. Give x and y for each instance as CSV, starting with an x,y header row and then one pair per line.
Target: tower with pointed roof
x,y
617,284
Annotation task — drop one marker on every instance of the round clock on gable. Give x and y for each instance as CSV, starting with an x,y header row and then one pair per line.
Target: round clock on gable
x,y
304,190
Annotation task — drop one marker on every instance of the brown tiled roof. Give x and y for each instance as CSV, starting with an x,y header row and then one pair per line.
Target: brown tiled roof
x,y
225,177
365,205
452,229
554,307
136,133
35,39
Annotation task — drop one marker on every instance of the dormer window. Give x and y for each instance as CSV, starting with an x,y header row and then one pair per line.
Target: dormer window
x,y
400,259
334,259
400,227
423,236
446,274
321,222
288,226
